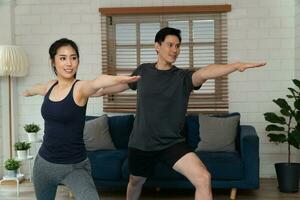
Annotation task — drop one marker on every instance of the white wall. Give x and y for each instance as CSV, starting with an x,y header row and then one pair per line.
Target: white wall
x,y
262,30
6,38
297,39
259,30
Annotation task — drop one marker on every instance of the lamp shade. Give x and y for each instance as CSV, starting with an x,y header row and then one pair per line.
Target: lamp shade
x,y
13,61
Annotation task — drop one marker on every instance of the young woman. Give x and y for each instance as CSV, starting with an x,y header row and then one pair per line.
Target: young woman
x,y
62,157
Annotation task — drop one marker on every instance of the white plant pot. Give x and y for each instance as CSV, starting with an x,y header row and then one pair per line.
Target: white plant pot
x,y
22,154
11,173
32,137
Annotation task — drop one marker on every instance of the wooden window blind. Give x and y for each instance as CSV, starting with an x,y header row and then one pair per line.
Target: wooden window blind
x,y
127,36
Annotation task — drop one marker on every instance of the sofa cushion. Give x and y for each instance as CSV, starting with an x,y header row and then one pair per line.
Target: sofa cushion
x,y
96,134
218,133
107,164
120,128
125,170
223,165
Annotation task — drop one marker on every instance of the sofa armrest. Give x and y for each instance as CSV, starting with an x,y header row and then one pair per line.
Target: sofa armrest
x,y
249,142
249,149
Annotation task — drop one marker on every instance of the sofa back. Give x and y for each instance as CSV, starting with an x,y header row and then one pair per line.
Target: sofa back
x,y
191,130
120,128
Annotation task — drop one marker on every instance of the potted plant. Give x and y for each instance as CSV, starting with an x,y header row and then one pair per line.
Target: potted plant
x,y
22,149
285,128
32,130
11,165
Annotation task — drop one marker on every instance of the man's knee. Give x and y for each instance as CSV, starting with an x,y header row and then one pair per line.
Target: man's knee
x,y
202,179
136,181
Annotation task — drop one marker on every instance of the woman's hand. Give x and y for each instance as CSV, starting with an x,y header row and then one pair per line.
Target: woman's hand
x,y
128,79
26,93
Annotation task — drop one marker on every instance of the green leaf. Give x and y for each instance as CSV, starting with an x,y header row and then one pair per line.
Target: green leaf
x,y
293,91
297,116
297,83
290,96
278,138
285,112
297,104
273,127
273,118
282,104
294,139
297,127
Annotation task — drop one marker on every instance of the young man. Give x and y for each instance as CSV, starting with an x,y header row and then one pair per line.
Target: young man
x,y
162,98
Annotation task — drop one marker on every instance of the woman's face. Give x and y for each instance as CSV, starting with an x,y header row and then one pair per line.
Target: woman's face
x,y
66,62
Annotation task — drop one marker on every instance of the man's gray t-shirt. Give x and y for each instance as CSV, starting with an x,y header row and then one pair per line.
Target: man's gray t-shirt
x,y
162,100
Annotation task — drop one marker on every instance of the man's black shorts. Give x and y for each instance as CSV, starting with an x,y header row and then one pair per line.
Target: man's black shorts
x,y
142,163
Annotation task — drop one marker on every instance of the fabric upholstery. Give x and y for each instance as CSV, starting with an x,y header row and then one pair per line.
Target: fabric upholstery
x,y
96,134
218,133
107,164
239,169
192,130
230,163
120,128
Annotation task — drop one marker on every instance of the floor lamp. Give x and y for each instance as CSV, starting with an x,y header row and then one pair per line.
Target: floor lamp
x,y
13,63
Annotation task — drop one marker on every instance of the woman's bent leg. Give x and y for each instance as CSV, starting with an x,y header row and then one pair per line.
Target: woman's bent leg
x,y
44,185
80,182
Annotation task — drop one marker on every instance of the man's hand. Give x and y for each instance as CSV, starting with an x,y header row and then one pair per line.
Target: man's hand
x,y
243,66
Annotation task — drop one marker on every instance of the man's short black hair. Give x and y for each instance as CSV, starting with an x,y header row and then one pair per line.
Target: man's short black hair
x,y
162,33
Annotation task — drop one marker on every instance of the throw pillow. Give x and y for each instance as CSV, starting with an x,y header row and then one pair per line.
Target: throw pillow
x,y
218,133
96,134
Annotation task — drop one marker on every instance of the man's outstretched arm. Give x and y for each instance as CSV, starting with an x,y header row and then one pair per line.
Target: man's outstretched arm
x,y
217,70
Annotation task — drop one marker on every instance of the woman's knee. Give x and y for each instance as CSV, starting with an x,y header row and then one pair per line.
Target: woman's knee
x,y
44,188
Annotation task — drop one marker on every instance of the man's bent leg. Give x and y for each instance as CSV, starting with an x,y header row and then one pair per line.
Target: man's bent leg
x,y
140,164
193,169
134,187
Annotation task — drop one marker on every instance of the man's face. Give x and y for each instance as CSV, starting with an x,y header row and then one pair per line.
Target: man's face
x,y
169,49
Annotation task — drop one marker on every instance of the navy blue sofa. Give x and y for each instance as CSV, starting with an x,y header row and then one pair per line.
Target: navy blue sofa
x,y
229,170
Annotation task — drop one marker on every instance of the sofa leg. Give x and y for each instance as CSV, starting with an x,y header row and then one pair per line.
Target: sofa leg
x,y
233,193
70,194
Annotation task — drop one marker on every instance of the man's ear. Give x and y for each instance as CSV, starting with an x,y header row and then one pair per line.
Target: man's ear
x,y
156,46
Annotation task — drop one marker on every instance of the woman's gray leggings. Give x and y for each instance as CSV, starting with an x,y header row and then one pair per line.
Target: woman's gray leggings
x,y
77,177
